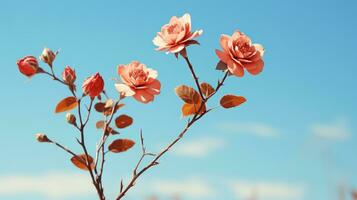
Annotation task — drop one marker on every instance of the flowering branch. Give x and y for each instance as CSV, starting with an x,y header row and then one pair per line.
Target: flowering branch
x,y
141,83
155,160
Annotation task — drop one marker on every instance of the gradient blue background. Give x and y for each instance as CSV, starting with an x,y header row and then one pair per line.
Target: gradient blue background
x,y
309,78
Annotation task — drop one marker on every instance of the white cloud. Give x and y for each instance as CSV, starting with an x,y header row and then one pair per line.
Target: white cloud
x,y
54,185
198,148
337,130
254,128
190,188
267,190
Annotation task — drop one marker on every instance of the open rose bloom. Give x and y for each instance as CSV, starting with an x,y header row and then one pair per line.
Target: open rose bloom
x,y
138,81
238,53
176,35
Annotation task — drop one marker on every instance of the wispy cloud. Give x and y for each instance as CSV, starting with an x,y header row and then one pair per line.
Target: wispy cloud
x,y
54,185
191,188
199,147
335,131
253,128
267,190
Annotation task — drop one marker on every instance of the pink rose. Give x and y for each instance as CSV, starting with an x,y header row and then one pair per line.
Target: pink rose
x,y
176,35
238,53
69,75
138,81
93,85
28,66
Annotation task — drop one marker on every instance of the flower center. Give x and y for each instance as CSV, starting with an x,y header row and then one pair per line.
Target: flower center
x,y
174,28
139,77
244,48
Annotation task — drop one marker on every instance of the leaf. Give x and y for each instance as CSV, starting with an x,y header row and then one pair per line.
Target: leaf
x,y
191,109
111,131
100,124
221,66
66,104
107,107
230,101
188,94
120,145
108,111
123,121
99,107
206,89
80,161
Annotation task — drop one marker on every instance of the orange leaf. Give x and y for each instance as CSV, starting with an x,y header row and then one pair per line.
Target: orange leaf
x,y
108,111
99,107
230,101
120,145
188,94
123,121
80,161
100,124
206,89
66,104
111,131
191,109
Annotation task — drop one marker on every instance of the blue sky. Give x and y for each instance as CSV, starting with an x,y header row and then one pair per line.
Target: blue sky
x,y
293,139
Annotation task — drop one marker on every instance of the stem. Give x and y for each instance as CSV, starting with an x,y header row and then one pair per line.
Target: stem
x,y
54,77
96,184
62,147
194,76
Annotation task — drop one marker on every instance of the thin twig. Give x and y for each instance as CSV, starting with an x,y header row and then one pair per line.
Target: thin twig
x,y
194,76
62,147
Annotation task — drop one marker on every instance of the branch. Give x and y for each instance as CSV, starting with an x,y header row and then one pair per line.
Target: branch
x,y
194,76
54,77
195,118
62,147
82,143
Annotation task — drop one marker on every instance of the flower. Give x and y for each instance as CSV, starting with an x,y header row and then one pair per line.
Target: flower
x,y
28,66
93,85
138,81
71,119
238,53
69,75
40,137
48,56
176,35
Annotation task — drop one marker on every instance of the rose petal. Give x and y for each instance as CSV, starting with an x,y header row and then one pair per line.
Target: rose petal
x,y
124,89
224,42
235,68
154,87
143,96
222,56
254,67
176,49
260,49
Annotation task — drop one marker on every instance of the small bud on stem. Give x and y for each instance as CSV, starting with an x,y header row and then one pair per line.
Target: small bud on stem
x,y
40,137
48,56
71,119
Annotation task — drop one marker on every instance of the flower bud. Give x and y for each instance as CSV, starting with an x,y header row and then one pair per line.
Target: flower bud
x,y
40,137
93,85
48,56
71,119
28,66
69,75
